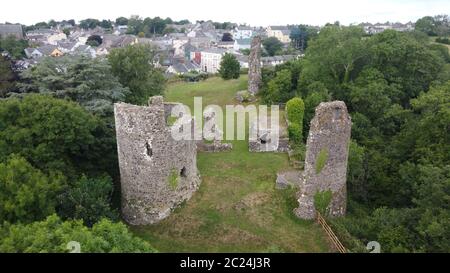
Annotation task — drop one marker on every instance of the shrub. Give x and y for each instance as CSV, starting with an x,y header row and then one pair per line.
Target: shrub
x,y
322,201
443,40
229,67
295,112
295,133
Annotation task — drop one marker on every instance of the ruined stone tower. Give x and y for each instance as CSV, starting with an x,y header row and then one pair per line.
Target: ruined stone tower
x,y
157,173
254,69
326,160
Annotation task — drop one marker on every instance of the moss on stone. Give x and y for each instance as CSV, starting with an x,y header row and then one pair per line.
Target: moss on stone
x,y
321,160
173,179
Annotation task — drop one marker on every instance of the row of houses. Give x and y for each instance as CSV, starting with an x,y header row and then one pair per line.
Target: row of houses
x,y
198,48
380,27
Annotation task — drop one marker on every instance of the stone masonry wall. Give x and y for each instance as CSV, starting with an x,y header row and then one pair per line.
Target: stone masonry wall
x,y
330,134
157,173
254,71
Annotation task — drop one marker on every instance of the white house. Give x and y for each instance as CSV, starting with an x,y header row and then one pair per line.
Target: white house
x,y
243,32
282,33
243,60
33,53
240,44
55,38
277,60
211,59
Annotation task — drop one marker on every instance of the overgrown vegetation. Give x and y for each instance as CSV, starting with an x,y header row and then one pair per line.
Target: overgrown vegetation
x,y
173,179
322,201
398,107
237,208
58,159
295,109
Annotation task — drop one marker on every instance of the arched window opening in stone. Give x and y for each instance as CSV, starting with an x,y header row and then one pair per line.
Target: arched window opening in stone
x,y
148,149
183,172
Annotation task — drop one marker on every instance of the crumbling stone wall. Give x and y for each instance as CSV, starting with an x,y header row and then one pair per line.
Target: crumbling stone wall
x,y
266,141
157,173
254,71
326,160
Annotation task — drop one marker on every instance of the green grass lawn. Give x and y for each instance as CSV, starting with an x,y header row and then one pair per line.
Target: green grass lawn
x,y
433,40
237,208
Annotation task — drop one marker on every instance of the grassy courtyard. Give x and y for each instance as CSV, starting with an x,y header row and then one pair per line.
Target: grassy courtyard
x,y
237,208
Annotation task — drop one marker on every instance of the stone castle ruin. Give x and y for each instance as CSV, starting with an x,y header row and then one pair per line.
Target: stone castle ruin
x,y
157,172
266,140
326,160
254,68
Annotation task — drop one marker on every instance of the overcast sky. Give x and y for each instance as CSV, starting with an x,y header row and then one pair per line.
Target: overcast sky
x,y
253,12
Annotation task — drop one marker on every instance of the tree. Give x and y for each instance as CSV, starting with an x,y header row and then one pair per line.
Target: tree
x,y
89,23
87,81
229,67
334,58
414,74
88,199
301,35
13,46
427,25
53,236
27,194
66,31
94,40
52,23
121,21
56,135
279,89
371,95
133,65
106,24
227,37
317,93
7,77
182,22
272,45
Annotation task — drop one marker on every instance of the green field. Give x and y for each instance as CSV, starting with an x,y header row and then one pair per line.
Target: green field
x,y
237,208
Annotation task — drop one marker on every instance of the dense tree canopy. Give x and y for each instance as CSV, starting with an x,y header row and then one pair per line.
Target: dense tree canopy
x,y
87,81
88,199
134,67
434,26
13,46
54,134
26,194
272,45
396,86
53,236
7,77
